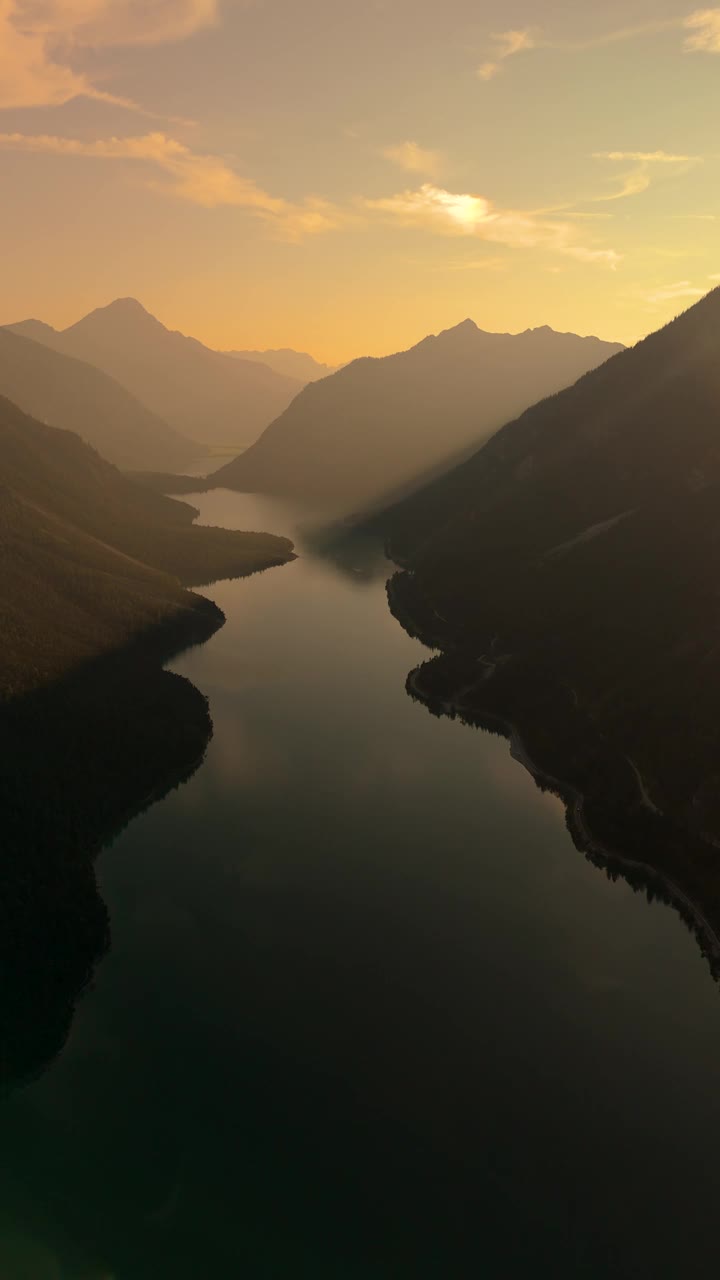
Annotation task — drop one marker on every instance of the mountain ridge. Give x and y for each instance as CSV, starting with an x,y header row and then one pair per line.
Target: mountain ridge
x,y
75,395
203,394
287,361
380,422
566,575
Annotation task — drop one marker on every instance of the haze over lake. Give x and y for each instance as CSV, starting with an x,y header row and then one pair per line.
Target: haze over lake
x,y
367,1011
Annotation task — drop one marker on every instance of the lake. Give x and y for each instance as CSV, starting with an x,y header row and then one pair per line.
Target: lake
x,y
367,1012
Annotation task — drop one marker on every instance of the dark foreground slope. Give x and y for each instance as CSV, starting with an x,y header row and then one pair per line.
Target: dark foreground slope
x,y
55,472
569,573
377,426
203,394
64,392
91,728
82,756
88,559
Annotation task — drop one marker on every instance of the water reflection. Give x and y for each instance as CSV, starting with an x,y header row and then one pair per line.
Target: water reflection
x,y
80,760
366,1013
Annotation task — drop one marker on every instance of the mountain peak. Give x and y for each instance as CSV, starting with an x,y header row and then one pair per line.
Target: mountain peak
x,y
124,315
126,306
465,326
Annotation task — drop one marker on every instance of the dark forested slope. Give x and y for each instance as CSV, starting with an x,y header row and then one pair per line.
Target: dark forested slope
x,y
89,560
65,392
92,730
377,426
569,571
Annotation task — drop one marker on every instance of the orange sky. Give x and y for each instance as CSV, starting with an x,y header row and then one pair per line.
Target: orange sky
x,y
346,177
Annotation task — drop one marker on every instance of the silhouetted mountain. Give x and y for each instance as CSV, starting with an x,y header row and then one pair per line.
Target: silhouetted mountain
x,y
293,364
569,572
35,330
378,425
81,757
70,393
92,730
204,394
90,560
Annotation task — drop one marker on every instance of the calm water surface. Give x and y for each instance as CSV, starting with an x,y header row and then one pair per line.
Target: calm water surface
x,y
367,1012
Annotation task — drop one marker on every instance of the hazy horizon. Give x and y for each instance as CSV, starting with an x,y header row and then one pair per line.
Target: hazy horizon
x,y
256,354
344,181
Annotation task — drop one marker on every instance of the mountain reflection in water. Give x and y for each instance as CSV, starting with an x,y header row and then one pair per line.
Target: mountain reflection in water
x,y
367,1012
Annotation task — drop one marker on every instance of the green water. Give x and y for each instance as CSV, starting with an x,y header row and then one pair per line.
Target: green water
x,y
367,1012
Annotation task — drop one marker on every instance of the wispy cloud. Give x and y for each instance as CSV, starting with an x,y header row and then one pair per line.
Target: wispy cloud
x,y
507,44
210,181
37,39
647,157
705,27
414,158
682,289
205,180
457,213
619,35
97,23
639,178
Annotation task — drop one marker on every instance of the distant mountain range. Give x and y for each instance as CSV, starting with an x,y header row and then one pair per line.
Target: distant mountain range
x,y
379,425
65,392
292,364
204,395
569,571
90,561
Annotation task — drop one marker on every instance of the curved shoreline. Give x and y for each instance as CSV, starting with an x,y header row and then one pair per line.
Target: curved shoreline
x,y
578,826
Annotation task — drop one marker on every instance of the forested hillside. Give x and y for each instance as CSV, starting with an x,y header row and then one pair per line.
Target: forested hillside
x,y
89,560
568,572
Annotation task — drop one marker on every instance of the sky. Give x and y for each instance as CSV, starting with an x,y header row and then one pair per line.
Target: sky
x,y
346,176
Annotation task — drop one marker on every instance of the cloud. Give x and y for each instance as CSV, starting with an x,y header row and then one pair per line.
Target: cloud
x,y
28,74
675,292
646,157
714,276
512,42
37,39
639,178
621,35
99,23
456,213
415,159
705,26
507,44
493,263
205,180
209,181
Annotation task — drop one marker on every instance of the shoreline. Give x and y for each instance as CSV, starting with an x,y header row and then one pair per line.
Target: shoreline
x,y
585,840
574,801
